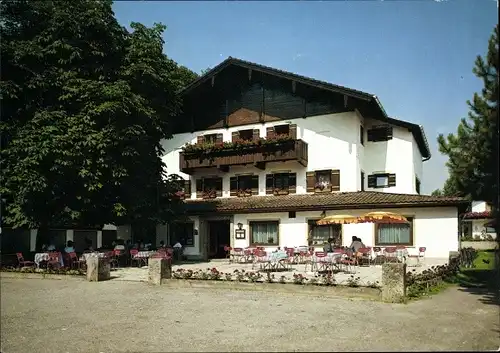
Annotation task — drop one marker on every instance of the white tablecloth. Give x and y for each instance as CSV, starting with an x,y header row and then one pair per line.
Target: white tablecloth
x,y
44,256
85,256
144,254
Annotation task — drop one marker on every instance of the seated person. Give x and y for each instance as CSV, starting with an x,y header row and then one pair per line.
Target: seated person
x,y
69,247
328,247
119,245
162,245
355,246
51,247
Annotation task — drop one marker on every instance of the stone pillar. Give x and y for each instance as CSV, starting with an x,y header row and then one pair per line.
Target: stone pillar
x,y
452,255
393,282
98,269
159,269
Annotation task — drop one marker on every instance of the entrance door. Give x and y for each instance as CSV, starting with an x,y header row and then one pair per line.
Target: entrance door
x,y
218,237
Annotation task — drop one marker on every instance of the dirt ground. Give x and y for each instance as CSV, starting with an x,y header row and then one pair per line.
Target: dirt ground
x,y
42,315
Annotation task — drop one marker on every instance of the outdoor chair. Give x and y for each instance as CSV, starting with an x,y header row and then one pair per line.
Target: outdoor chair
x,y
22,262
260,258
390,254
134,258
347,263
321,261
248,256
53,261
307,259
237,254
74,261
379,257
419,257
366,256
227,250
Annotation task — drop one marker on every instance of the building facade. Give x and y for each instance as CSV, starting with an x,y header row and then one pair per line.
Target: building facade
x,y
264,154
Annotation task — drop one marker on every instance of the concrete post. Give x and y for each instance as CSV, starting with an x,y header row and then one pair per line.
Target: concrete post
x,y
393,282
98,269
159,269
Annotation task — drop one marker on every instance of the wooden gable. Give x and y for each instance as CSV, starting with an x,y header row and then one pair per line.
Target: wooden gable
x,y
239,96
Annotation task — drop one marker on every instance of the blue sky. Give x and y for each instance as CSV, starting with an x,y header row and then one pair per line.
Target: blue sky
x,y
416,56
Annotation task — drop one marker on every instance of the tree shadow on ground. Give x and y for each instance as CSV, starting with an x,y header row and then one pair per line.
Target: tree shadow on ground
x,y
485,283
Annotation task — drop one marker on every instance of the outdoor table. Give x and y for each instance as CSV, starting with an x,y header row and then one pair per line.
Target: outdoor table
x,y
329,262
86,255
44,256
274,261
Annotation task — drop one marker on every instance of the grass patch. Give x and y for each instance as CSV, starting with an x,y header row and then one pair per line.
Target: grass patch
x,y
483,274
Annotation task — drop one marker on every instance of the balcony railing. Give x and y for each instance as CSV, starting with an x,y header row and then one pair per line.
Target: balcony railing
x,y
258,155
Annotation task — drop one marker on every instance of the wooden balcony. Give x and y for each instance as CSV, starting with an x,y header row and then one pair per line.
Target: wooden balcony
x,y
294,150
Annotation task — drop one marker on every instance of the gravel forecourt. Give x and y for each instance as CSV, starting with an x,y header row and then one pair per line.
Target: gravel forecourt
x,y
42,315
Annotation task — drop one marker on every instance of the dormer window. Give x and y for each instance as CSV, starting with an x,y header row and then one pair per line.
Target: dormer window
x,y
379,133
381,180
245,135
282,130
289,130
210,139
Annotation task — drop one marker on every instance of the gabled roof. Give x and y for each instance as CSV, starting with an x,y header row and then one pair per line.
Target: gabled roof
x,y
312,202
371,99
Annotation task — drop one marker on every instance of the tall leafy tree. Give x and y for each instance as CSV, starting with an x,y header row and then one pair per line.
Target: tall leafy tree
x,y
85,104
473,150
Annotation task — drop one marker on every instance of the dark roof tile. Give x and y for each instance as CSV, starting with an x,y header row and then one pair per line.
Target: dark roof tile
x,y
309,202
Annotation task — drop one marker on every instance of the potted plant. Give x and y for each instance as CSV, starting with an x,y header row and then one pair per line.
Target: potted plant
x,y
210,194
270,240
280,192
244,192
321,186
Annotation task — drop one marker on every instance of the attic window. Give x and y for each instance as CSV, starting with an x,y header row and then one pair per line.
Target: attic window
x,y
210,138
380,133
282,130
246,135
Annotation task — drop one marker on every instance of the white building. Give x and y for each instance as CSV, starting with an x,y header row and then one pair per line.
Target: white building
x,y
266,153
477,224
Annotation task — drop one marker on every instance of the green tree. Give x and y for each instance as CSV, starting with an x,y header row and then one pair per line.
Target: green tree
x,y
472,151
85,104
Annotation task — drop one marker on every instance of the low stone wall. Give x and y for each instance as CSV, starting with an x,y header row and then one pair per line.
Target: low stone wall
x,y
20,275
479,245
329,291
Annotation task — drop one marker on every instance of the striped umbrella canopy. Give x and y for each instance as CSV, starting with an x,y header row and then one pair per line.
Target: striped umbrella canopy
x,y
382,217
337,219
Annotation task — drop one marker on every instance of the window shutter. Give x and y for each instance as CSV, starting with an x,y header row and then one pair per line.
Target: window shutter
x,y
219,138
335,181
218,186
235,136
372,181
187,189
270,132
255,184
292,183
256,134
392,179
200,139
310,181
199,188
233,186
269,184
293,131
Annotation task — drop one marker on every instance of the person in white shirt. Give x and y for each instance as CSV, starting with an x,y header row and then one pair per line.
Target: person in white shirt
x,y
178,245
51,247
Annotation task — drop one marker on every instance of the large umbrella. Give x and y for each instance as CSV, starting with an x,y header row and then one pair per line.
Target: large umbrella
x,y
382,217
338,219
